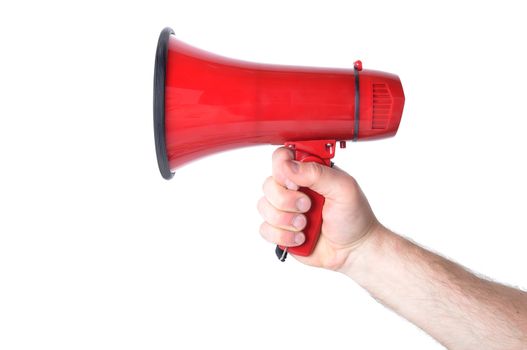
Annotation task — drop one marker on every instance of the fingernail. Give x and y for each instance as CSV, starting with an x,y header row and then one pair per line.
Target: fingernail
x,y
293,165
303,204
290,185
300,238
299,221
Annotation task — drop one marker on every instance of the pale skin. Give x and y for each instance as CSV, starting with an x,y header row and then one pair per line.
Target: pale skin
x,y
454,306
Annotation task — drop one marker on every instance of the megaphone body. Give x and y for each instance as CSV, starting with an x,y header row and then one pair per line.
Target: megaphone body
x,y
205,103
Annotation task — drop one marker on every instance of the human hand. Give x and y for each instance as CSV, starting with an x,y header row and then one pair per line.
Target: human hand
x,y
347,218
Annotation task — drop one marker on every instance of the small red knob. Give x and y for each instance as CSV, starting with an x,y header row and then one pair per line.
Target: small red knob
x,y
358,65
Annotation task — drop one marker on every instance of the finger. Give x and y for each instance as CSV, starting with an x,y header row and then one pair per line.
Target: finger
x,y
332,183
283,199
280,156
280,236
286,220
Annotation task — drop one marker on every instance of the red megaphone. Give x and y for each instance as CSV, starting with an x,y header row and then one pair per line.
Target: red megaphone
x,y
205,103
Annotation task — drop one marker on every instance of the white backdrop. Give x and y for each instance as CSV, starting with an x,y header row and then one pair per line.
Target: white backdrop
x,y
97,251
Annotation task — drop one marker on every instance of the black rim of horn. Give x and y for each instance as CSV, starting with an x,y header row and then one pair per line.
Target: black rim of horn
x,y
159,103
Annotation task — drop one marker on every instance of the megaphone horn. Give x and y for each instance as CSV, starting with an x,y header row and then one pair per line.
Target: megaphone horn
x,y
205,103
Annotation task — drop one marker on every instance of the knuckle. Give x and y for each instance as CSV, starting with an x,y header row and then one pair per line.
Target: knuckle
x,y
282,202
264,230
347,187
282,153
274,217
273,234
280,156
284,219
261,205
277,153
285,238
266,184
315,172
351,181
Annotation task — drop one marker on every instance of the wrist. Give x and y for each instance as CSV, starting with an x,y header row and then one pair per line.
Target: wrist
x,y
360,255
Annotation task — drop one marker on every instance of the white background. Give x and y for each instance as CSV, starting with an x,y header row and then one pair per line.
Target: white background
x,y
97,251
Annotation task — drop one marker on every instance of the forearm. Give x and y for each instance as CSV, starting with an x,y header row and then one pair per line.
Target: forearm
x,y
448,302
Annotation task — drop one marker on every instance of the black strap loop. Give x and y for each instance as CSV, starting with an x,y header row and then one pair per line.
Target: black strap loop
x,y
280,253
357,105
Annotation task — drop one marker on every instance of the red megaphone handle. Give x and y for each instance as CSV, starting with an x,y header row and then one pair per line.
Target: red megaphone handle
x,y
310,151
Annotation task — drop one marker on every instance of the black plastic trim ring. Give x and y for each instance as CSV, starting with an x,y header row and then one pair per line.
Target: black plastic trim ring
x,y
159,103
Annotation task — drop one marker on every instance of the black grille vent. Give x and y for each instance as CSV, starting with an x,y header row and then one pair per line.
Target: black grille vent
x,y
382,106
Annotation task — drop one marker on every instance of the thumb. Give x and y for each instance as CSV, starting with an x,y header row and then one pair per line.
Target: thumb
x,y
327,181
